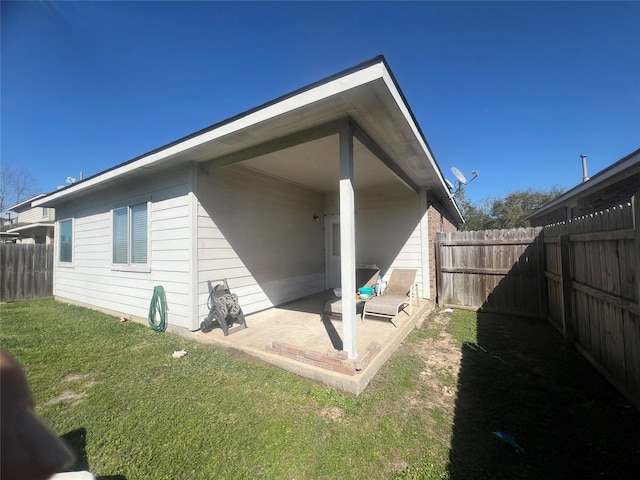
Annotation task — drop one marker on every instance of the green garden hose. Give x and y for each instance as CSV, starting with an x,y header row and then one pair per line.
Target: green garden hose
x,y
158,304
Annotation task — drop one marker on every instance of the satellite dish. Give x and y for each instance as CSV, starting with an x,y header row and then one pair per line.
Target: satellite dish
x,y
459,175
449,184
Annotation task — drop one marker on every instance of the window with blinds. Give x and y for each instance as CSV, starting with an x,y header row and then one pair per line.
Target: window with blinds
x,y
130,235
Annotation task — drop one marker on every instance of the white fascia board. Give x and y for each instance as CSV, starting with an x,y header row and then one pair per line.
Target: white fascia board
x,y
304,98
416,132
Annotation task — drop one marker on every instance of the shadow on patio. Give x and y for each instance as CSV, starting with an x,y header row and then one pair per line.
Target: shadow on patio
x,y
294,337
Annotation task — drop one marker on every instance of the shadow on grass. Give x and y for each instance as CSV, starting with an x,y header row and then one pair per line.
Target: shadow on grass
x,y
77,441
519,379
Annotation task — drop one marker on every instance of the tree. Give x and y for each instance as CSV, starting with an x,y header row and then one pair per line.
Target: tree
x,y
476,217
17,183
510,212
507,212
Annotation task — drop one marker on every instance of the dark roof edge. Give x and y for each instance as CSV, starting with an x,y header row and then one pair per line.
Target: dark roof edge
x,y
417,124
348,71
413,117
593,181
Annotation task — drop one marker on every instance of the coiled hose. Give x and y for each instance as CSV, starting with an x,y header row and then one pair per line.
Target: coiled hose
x,y
158,304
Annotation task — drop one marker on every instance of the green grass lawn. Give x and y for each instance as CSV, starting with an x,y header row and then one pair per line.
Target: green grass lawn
x,y
215,414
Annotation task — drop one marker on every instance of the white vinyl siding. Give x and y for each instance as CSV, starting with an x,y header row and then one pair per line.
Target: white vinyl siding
x,y
259,233
36,214
388,230
254,230
95,281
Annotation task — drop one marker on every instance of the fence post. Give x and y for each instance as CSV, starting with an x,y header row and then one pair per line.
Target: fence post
x,y
635,208
567,291
438,270
543,310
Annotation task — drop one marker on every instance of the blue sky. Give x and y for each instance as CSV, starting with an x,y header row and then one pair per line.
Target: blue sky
x,y
516,90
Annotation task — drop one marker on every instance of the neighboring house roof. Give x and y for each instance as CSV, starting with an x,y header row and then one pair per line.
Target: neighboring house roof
x,y
367,94
614,173
25,204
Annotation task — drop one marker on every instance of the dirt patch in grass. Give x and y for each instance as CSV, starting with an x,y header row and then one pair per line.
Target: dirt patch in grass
x,y
334,413
487,373
442,359
69,397
86,379
81,383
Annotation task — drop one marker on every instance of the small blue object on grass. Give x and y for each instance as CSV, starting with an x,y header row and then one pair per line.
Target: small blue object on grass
x,y
508,439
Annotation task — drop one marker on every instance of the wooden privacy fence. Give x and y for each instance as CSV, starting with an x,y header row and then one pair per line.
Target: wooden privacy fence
x,y
26,271
583,276
593,287
493,270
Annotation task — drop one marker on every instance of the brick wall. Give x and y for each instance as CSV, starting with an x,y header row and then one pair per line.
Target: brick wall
x,y
605,197
619,192
440,220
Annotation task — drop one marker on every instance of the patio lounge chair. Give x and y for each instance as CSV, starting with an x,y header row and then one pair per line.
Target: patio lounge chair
x,y
397,295
365,277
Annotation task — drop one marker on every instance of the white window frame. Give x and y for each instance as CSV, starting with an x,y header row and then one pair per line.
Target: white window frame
x,y
130,266
59,262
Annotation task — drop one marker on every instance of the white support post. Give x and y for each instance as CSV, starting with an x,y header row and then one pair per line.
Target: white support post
x,y
348,242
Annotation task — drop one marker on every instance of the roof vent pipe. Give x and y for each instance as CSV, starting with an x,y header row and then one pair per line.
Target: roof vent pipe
x,y
585,177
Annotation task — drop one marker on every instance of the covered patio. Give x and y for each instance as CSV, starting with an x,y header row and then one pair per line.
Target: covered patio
x,y
296,337
312,186
283,202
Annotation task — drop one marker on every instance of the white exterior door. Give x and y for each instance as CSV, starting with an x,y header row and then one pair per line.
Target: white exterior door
x,y
332,251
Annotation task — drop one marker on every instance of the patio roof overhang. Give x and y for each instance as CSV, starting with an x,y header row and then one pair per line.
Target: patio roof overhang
x,y
296,136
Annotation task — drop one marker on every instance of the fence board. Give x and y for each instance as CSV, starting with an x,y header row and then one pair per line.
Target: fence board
x,y
26,271
631,333
603,291
492,270
588,269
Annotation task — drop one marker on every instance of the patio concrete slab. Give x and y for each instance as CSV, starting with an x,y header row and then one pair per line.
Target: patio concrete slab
x,y
296,338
